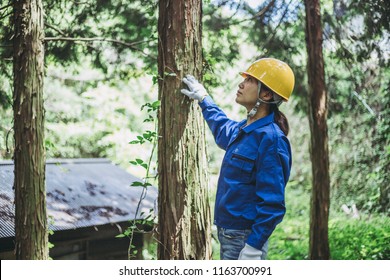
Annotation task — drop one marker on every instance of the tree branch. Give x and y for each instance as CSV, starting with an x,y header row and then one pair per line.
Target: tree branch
x,y
102,39
266,8
280,22
5,15
81,3
56,29
259,13
93,39
364,103
6,6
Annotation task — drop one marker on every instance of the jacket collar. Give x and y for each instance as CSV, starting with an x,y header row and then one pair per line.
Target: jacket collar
x,y
259,123
247,129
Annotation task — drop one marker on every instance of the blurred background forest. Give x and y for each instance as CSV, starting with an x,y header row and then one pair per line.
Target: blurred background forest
x,y
101,69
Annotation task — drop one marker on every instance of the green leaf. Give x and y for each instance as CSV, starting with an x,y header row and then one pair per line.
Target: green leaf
x,y
137,184
171,74
156,104
144,165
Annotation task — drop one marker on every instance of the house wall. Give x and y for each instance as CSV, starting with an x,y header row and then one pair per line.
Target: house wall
x,y
92,243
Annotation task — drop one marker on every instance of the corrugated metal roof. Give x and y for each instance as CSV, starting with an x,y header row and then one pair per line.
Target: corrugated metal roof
x,y
80,193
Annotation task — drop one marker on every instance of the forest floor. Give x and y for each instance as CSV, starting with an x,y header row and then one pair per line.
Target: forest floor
x,y
364,238
350,238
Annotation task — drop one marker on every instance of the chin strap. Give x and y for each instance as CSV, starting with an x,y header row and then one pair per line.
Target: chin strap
x,y
254,109
253,112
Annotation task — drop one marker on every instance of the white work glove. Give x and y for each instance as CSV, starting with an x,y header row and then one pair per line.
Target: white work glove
x,y
250,253
195,89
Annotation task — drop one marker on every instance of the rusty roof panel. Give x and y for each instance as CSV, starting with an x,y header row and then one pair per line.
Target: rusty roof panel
x,y
80,193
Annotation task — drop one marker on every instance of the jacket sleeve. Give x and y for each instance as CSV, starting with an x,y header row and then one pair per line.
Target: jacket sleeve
x,y
220,125
273,167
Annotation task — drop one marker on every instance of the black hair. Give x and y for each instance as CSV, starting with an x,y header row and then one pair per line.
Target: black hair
x,y
280,119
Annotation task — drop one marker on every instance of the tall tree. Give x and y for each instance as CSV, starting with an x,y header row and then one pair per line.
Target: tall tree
x,y
184,215
31,235
318,109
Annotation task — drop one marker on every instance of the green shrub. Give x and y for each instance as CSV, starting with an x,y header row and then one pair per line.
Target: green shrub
x,y
367,238
363,239
290,240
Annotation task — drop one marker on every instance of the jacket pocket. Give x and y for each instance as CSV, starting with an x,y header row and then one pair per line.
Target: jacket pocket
x,y
235,233
240,168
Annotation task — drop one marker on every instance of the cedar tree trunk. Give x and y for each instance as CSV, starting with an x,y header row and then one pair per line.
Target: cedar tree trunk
x,y
31,235
184,214
319,244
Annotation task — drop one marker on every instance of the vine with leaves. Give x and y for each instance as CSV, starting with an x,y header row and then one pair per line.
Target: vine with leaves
x,y
143,222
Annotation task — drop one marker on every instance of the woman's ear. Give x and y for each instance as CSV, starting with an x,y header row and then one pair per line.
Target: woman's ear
x,y
268,95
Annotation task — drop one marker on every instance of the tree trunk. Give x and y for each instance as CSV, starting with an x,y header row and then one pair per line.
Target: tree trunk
x,y
31,235
184,213
383,142
319,244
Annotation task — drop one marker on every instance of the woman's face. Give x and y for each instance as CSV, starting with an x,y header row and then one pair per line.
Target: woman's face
x,y
247,93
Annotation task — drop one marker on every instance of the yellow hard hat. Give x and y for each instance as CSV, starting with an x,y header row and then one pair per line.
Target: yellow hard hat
x,y
273,73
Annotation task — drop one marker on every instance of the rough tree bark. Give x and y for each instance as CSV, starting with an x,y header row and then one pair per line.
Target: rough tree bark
x,y
31,235
319,244
184,214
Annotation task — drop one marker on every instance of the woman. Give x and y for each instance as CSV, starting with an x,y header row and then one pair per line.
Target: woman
x,y
256,166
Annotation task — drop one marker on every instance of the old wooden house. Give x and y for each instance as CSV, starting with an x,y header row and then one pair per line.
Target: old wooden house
x,y
89,203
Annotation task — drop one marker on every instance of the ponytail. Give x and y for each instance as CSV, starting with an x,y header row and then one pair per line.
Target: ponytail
x,y
281,120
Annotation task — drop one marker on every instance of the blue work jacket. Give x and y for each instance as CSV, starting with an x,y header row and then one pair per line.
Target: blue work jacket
x,y
254,173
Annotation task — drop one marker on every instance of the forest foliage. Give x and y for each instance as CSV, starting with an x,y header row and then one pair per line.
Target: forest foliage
x,y
101,68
